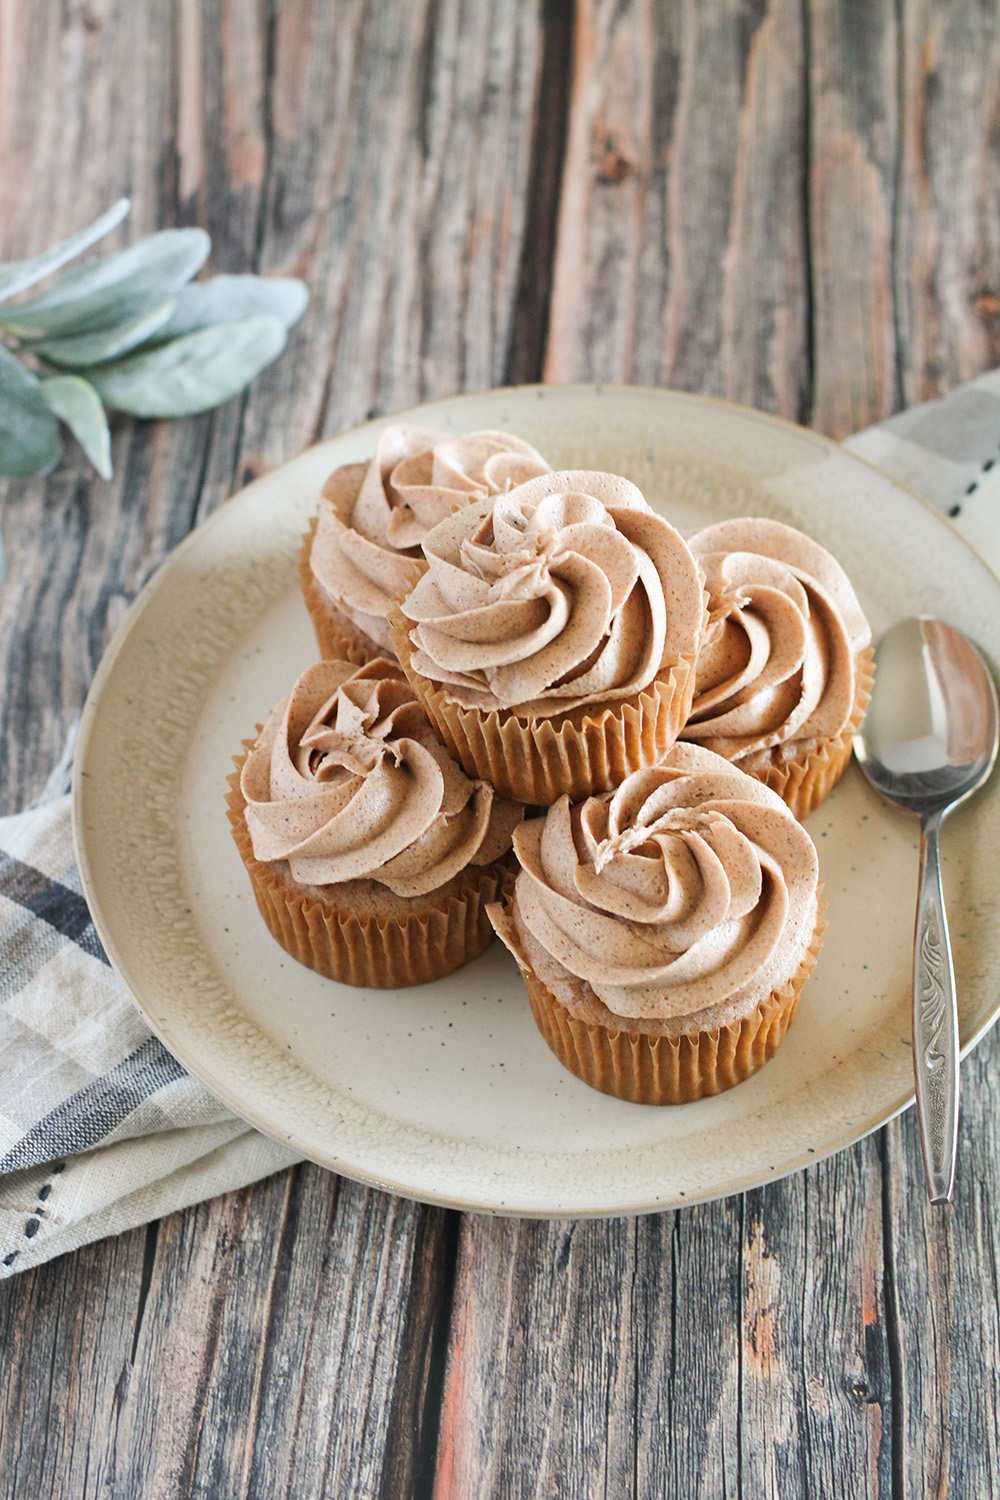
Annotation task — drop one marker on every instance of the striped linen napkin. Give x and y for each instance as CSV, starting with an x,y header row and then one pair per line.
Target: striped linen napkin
x,y
100,1128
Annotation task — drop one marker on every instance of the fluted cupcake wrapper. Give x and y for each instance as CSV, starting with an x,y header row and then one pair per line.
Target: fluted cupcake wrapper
x,y
375,952
579,753
804,783
649,1068
338,637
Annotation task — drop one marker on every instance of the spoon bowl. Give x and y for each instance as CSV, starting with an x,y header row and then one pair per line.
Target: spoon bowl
x,y
929,740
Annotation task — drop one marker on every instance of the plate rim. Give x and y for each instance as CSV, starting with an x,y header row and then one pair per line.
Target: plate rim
x,y
104,927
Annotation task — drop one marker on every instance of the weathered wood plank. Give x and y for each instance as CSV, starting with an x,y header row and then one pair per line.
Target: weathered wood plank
x,y
685,1352
816,1396
853,152
538,1394
66,1334
948,241
682,247
400,193
963,1259
946,1299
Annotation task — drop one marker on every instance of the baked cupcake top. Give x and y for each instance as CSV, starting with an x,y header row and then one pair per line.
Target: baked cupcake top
x,y
373,517
348,781
565,591
689,888
779,661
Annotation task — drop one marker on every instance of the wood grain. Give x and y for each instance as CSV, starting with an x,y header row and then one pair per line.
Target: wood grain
x,y
66,1340
288,1389
682,248
792,203
853,154
381,153
948,239
724,1349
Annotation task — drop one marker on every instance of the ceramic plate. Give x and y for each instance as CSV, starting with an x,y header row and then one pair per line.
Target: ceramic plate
x,y
446,1092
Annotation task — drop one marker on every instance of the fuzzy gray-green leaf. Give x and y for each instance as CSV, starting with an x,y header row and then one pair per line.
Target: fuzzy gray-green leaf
x,y
222,299
113,289
75,402
193,373
29,433
17,276
84,349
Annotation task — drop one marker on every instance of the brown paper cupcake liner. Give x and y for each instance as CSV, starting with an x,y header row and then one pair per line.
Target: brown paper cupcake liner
x,y
338,637
581,752
361,949
804,783
657,1068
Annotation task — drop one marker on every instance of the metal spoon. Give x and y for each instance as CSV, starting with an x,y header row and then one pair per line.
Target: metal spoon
x,y
928,741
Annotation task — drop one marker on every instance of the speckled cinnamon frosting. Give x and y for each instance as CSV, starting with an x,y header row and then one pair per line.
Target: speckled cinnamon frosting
x,y
679,902
365,551
348,782
784,665
566,591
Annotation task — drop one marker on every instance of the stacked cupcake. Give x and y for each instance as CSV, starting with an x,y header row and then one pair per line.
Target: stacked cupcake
x,y
542,709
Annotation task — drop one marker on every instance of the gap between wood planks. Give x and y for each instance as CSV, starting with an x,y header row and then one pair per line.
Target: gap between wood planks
x,y
530,324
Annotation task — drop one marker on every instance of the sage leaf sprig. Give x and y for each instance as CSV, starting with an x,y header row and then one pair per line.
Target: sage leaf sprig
x,y
129,332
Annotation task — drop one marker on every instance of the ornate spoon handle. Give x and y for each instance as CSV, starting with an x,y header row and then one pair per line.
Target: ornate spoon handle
x,y
935,1022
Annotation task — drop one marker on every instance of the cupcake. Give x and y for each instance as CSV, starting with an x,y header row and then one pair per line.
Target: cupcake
x,y
553,637
371,854
786,667
665,930
363,550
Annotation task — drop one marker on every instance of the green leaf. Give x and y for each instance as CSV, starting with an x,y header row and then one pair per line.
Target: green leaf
x,y
86,349
17,276
222,299
114,288
29,433
76,403
193,373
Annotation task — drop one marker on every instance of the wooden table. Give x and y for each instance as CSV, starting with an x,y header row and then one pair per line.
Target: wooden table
x,y
792,203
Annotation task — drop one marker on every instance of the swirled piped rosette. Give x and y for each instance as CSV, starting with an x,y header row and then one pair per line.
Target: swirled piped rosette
x,y
785,670
553,635
363,551
665,930
372,854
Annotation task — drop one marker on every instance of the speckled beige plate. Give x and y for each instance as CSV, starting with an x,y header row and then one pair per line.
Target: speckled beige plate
x,y
446,1092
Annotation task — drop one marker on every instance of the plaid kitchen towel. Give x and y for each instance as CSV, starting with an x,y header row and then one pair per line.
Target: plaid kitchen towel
x,y
100,1129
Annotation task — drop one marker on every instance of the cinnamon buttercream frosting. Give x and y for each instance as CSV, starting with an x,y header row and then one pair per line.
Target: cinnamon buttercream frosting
x,y
688,890
372,519
567,590
347,781
778,666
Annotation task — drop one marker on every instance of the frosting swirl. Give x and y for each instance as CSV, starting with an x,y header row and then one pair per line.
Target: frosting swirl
x,y
372,519
567,590
779,661
690,887
348,781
